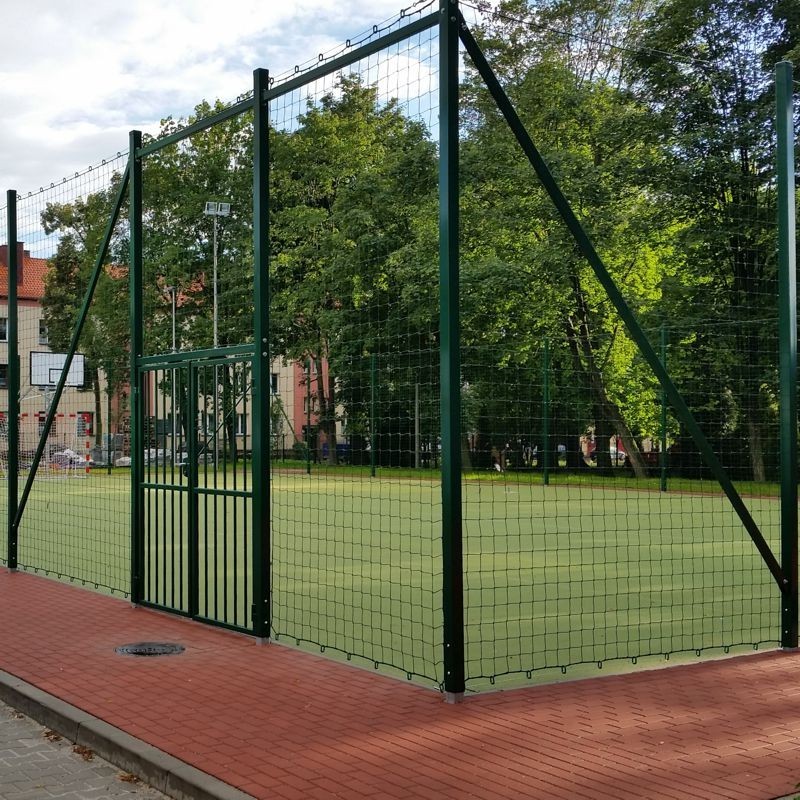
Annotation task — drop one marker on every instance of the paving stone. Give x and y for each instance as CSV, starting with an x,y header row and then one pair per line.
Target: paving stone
x,y
34,768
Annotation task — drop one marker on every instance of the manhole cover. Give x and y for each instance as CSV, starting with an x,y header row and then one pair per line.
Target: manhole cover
x,y
150,649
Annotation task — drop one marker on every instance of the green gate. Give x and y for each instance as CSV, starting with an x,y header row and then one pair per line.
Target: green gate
x,y
194,487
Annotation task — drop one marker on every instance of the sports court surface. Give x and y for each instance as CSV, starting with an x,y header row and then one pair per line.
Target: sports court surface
x,y
279,723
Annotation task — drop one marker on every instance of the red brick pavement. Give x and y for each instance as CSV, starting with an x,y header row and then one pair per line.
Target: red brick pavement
x,y
282,724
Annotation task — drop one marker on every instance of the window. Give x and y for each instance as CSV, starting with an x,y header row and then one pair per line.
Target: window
x,y
44,334
3,329
273,382
3,376
241,425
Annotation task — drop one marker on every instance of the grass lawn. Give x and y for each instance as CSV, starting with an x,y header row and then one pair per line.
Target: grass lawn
x,y
571,574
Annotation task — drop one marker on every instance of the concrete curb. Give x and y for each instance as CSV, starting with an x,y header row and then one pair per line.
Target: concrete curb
x,y
162,771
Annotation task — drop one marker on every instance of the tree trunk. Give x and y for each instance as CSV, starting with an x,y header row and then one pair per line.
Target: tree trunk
x,y
327,411
756,449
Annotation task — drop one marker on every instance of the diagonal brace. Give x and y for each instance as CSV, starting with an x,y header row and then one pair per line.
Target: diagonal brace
x,y
73,346
603,276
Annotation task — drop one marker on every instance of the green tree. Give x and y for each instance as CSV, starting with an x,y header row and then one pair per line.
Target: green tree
x,y
347,184
105,339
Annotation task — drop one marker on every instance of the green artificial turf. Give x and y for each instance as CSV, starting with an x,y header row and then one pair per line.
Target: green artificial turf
x,y
569,574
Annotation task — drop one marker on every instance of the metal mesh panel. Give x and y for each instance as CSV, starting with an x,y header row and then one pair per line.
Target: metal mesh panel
x,y
356,507
75,525
593,530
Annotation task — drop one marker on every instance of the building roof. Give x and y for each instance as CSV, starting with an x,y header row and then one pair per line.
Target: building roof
x,y
33,270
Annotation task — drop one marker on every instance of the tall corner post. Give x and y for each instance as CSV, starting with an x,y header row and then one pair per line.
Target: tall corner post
x,y
261,359
137,349
787,317
13,380
450,354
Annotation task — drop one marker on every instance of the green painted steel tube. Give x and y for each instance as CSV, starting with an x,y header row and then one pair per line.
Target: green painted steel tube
x,y
308,416
631,323
73,346
373,416
135,292
261,360
662,455
193,509
450,354
13,381
546,413
787,316
185,356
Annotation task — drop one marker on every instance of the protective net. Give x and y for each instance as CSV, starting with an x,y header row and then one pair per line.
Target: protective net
x,y
594,529
75,522
356,510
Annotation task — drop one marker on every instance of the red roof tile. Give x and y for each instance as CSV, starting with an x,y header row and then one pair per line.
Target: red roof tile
x,y
31,287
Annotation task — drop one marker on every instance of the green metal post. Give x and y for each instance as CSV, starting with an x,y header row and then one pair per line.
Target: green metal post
x,y
662,455
13,379
373,417
308,416
261,360
546,413
787,310
108,429
450,354
137,349
193,508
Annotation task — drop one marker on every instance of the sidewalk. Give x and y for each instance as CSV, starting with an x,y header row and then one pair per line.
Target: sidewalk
x,y
34,766
277,723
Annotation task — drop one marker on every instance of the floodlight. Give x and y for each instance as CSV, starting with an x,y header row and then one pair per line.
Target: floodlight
x,y
211,208
223,209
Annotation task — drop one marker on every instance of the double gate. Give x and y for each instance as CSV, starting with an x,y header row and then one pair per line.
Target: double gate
x,y
194,488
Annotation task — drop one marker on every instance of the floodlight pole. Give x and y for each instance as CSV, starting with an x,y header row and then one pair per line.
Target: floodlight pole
x,y
173,293
216,308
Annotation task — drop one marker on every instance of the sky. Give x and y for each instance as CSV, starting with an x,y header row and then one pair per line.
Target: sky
x,y
76,77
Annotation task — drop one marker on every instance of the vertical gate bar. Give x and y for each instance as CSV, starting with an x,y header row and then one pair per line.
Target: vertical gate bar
x,y
662,456
373,415
787,308
450,355
215,502
235,521
546,413
137,348
13,379
180,376
261,361
191,489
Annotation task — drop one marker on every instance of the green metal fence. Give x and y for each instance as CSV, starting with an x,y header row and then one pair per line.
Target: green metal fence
x,y
459,359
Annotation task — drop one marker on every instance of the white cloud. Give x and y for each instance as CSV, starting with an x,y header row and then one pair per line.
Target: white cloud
x,y
76,77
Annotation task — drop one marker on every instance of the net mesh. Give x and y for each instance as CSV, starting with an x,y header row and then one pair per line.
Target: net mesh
x,y
593,531
75,525
356,509
598,533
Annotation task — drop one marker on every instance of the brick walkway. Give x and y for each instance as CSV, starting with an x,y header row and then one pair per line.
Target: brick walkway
x,y
33,767
287,725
